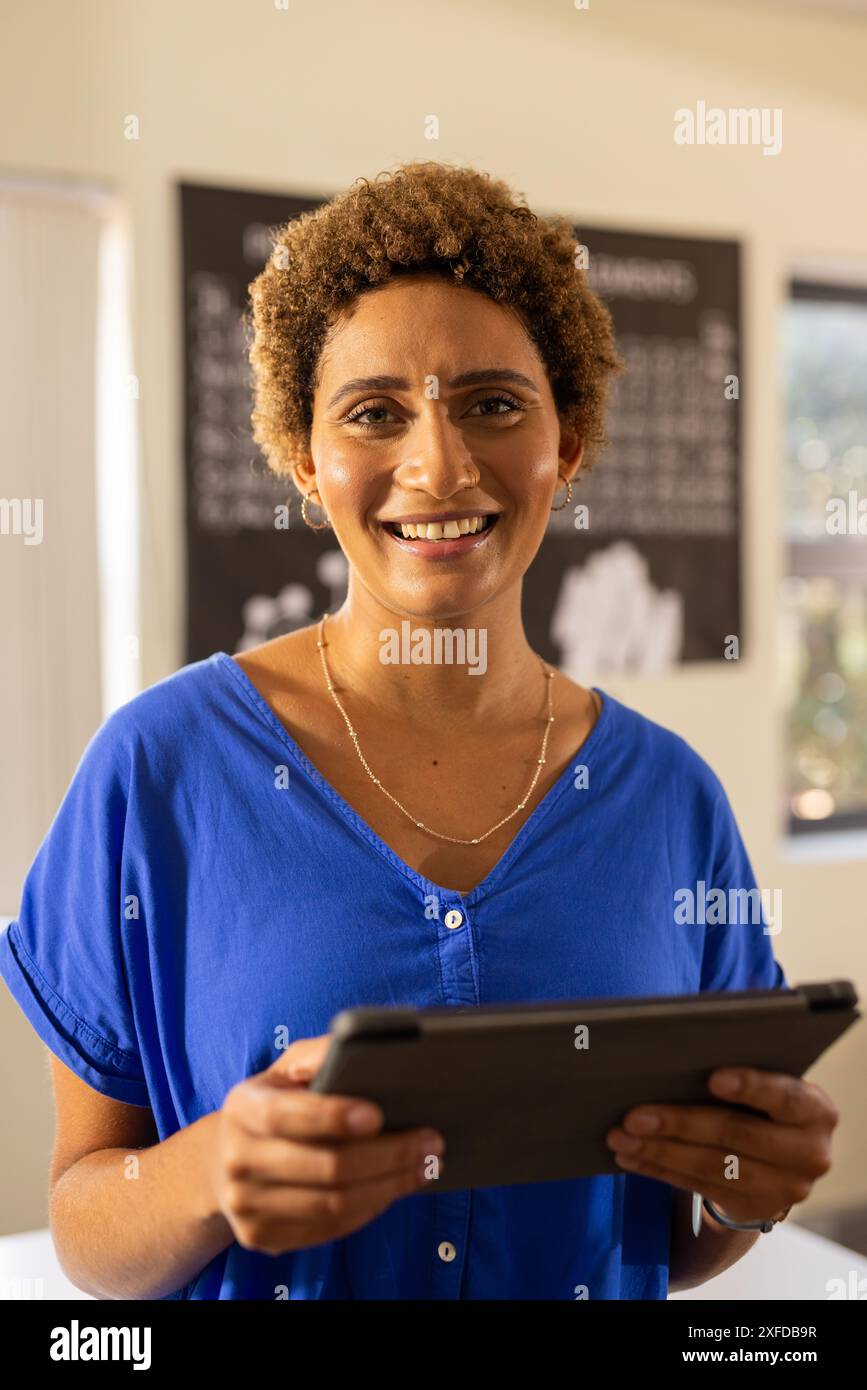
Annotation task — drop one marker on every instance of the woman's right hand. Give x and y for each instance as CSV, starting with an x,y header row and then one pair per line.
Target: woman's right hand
x,y
292,1168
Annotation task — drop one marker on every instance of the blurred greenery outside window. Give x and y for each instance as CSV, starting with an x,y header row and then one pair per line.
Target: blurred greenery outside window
x,y
824,600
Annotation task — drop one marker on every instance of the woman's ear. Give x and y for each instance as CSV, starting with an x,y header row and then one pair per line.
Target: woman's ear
x,y
304,475
571,451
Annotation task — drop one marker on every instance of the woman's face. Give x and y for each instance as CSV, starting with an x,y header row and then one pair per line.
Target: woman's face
x,y
434,405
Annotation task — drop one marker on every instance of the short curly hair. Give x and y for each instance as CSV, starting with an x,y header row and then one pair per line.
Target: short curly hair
x,y
422,218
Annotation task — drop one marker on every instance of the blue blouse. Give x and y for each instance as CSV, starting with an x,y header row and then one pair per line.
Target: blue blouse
x,y
204,895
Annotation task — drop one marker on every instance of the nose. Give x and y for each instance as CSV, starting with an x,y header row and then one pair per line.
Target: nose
x,y
437,460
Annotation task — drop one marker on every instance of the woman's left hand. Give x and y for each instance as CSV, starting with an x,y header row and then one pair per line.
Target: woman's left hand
x,y
779,1153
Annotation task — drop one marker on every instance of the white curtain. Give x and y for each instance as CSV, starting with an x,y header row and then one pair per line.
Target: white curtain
x,y
51,687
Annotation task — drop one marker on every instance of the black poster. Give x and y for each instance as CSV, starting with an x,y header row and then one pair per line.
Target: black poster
x,y
640,572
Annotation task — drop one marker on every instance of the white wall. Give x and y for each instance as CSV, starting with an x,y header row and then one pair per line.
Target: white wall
x,y
574,108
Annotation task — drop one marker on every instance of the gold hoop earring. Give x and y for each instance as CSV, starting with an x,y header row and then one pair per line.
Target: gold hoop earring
x,y
314,526
568,497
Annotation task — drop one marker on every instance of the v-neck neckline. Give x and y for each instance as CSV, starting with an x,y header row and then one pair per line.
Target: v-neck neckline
x,y
515,845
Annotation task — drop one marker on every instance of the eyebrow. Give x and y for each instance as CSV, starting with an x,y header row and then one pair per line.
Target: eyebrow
x,y
400,383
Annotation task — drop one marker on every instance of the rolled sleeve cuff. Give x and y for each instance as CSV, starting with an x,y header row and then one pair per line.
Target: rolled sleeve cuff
x,y
107,1068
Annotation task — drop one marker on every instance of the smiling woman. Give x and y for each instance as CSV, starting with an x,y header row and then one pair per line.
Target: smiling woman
x,y
305,828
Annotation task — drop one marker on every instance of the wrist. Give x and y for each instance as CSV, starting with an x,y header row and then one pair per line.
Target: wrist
x,y
206,1203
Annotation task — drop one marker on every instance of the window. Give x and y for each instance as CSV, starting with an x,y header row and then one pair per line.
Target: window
x,y
825,591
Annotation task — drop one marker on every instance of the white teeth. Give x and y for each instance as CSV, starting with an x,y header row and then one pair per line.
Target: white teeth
x,y
438,530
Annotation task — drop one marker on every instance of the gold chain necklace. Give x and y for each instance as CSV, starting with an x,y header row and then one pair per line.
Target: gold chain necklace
x,y
453,839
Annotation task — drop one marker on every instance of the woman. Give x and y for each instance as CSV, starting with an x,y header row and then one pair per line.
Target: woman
x,y
258,842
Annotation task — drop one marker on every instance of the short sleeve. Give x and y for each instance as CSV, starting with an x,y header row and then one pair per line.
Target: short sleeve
x,y
742,920
63,956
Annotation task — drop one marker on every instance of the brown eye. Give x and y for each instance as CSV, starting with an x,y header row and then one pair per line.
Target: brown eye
x,y
357,417
509,406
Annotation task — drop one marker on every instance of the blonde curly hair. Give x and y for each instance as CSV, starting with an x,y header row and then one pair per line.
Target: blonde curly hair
x,y
422,217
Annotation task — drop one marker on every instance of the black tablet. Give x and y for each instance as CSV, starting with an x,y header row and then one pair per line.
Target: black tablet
x,y
527,1092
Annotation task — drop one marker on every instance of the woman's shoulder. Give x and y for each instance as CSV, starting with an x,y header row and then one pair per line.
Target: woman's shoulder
x,y
284,676
291,659
657,753
172,715
194,711
194,706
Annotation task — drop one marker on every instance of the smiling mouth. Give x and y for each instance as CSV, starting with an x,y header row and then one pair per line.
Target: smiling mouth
x,y
460,532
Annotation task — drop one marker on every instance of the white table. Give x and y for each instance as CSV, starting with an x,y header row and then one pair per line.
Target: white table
x,y
29,1268
788,1263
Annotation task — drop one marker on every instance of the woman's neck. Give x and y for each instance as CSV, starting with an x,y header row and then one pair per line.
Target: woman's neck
x,y
475,666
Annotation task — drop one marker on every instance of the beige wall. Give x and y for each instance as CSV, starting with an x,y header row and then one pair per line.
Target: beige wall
x,y
575,108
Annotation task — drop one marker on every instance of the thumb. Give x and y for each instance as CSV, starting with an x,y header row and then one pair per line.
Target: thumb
x,y
300,1062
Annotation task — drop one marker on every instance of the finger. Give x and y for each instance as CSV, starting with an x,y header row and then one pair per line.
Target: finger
x,y
278,1218
300,1062
736,1208
347,1164
735,1132
269,1111
786,1099
698,1169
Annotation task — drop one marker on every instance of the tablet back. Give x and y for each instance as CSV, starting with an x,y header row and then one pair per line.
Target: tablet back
x,y
526,1093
